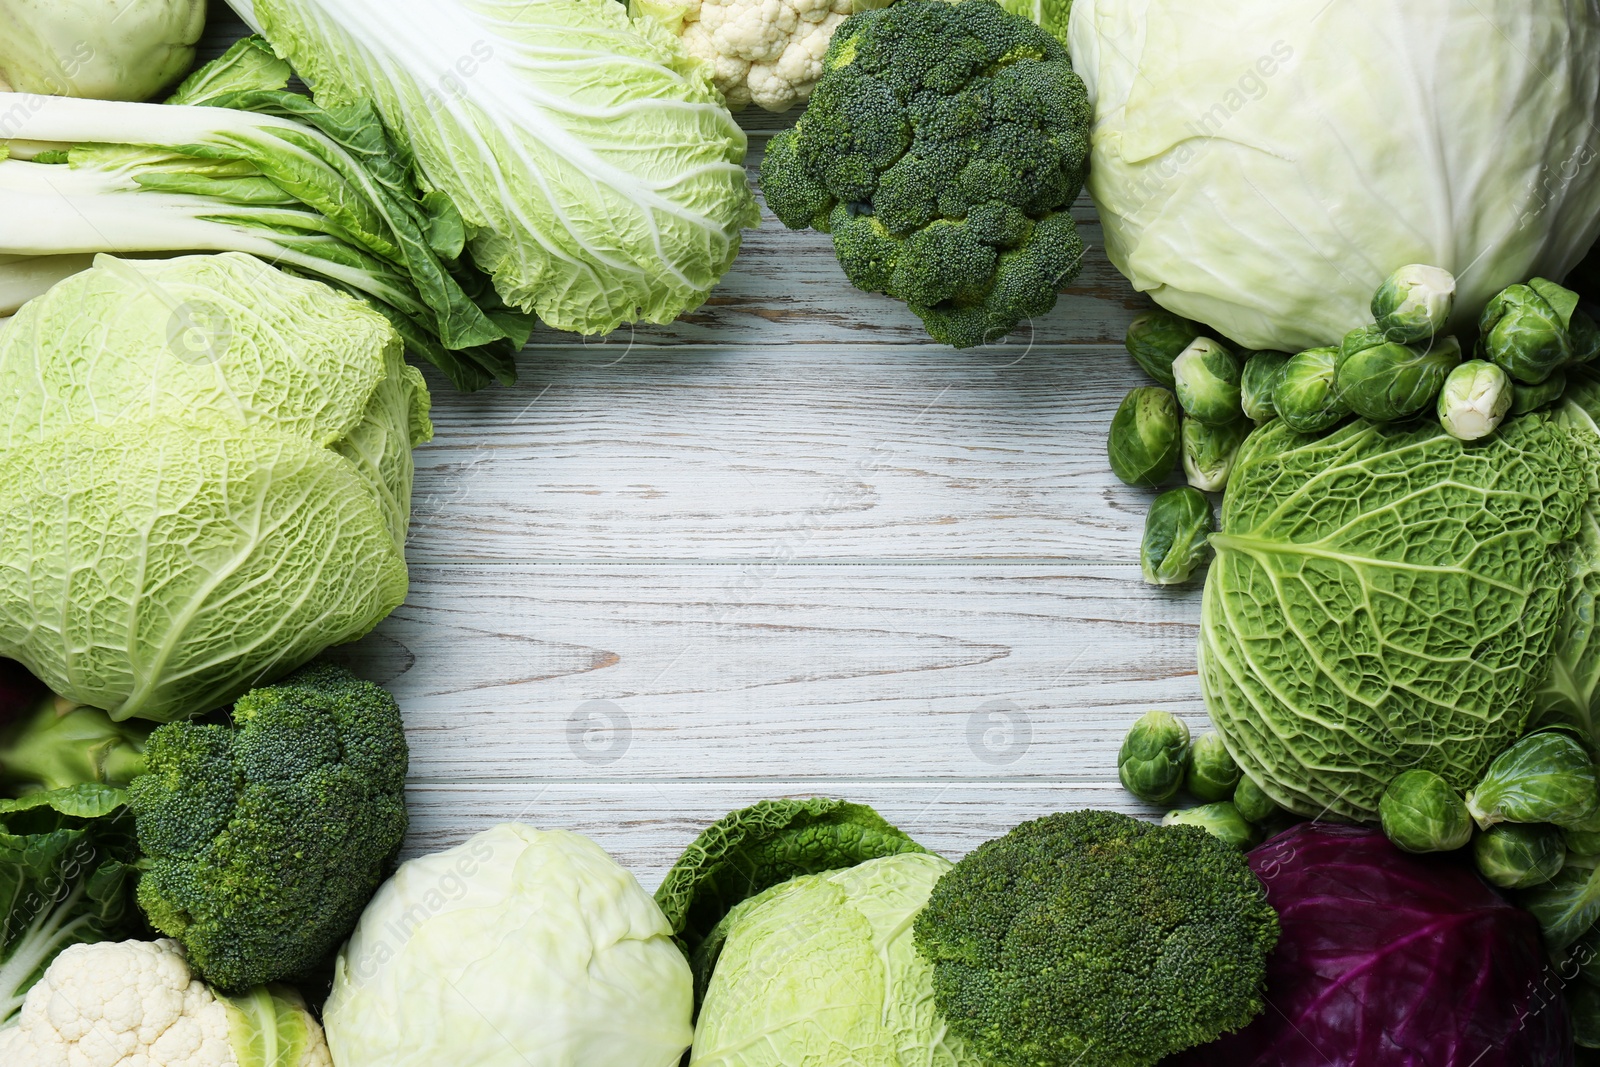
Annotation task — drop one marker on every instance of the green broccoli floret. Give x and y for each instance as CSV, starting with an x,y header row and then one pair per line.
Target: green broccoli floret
x,y
265,839
1092,937
943,148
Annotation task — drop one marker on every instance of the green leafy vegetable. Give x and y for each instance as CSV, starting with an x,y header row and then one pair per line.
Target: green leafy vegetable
x,y
1567,907
943,149
1306,398
61,744
598,175
1145,438
1474,400
1209,452
265,838
1258,384
1385,598
1261,169
1092,933
1570,692
1153,756
1175,532
822,969
1414,303
1547,777
1387,381
1211,774
517,947
1252,802
1155,339
222,454
1221,819
66,878
1515,856
1529,398
1524,330
1206,378
84,48
1420,812
755,848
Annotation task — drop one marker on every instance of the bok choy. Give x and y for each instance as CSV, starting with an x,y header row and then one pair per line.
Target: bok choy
x,y
236,163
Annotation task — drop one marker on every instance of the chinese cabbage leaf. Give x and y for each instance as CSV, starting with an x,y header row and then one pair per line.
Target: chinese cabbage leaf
x,y
598,172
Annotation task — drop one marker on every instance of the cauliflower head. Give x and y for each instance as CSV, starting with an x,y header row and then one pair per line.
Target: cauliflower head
x,y
137,1004
763,52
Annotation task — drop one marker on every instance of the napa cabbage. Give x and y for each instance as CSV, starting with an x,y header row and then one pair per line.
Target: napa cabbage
x,y
598,173
205,480
1261,166
1386,598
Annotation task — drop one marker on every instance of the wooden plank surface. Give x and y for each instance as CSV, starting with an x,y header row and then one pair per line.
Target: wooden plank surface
x,y
783,546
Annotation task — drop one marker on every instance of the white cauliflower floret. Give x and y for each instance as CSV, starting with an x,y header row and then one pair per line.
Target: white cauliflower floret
x,y
136,1004
765,52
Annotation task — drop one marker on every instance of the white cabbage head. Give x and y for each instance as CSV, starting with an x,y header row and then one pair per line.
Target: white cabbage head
x,y
100,49
1262,165
519,948
822,969
205,480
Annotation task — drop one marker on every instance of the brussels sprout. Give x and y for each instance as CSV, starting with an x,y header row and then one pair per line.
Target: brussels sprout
x,y
1545,777
1211,773
1253,804
1221,820
1421,813
1259,382
1526,398
1580,840
1209,452
1583,1005
1176,530
1155,339
1414,302
1306,399
1524,330
1516,856
1207,377
1144,441
1386,381
1584,956
1151,760
1585,336
1474,400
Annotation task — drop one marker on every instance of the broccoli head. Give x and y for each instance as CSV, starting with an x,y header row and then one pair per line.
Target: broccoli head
x,y
943,148
264,839
1093,937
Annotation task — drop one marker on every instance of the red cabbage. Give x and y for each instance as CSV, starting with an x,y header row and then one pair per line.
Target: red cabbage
x,y
1393,960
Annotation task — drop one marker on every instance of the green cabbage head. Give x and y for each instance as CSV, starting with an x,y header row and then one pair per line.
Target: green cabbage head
x,y
519,948
1262,165
1386,598
821,969
205,480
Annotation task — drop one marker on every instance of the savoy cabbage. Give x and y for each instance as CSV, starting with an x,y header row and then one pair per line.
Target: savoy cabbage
x,y
1386,597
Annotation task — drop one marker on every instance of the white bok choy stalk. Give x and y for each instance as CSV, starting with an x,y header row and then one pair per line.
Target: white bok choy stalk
x,y
238,164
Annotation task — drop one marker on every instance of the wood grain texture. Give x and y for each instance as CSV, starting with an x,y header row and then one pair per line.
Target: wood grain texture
x,y
783,546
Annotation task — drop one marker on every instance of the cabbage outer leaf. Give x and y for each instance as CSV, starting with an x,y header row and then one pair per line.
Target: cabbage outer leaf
x,y
599,174
1385,598
1261,166
1571,692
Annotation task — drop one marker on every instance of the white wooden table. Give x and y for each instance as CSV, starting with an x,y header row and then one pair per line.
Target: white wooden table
x,y
785,546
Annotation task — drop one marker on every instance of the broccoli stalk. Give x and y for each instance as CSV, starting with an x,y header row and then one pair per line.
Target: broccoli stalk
x,y
942,149
1092,937
265,839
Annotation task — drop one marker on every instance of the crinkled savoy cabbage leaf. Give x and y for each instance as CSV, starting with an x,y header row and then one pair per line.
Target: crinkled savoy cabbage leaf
x,y
1571,692
1385,598
205,479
